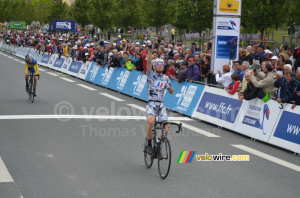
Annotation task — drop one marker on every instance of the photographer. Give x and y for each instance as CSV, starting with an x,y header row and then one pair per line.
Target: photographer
x,y
266,82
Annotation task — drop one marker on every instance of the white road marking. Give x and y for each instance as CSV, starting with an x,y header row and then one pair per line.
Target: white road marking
x,y
53,74
41,69
137,107
87,87
15,59
4,174
112,97
104,117
67,79
195,129
268,157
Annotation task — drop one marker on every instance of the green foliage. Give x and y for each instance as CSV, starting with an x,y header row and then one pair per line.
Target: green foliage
x,y
80,11
100,13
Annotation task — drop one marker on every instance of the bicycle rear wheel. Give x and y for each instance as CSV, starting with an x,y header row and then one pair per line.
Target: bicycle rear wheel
x,y
148,158
164,158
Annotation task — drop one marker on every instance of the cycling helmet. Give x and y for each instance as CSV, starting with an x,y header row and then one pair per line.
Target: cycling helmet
x,y
157,60
27,58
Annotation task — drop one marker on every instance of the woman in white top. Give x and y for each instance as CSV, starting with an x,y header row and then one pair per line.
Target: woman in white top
x,y
224,78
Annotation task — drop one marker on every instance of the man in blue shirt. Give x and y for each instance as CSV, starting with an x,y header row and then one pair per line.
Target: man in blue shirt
x,y
193,71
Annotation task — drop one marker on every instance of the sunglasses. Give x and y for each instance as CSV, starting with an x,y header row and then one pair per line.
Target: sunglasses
x,y
159,63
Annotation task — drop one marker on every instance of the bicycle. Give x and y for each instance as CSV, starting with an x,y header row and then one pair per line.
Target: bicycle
x,y
161,147
30,86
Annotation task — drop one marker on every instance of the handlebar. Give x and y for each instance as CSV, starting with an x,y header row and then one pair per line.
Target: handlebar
x,y
171,123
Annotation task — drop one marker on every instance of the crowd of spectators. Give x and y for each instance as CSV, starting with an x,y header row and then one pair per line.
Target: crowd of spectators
x,y
258,73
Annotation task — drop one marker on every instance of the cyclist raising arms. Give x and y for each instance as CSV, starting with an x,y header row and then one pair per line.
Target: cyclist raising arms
x,y
157,84
31,66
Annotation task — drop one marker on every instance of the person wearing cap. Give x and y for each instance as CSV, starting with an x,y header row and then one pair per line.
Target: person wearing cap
x,y
261,53
193,71
158,83
274,62
194,47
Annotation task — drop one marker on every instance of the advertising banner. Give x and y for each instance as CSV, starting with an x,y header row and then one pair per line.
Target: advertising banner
x,y
185,97
58,63
104,76
74,68
287,129
218,107
227,32
122,79
45,60
52,60
229,7
63,25
92,73
66,65
17,24
138,86
84,69
257,119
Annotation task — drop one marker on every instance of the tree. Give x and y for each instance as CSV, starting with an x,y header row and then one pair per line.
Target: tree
x,y
182,15
41,10
100,13
263,14
60,10
127,13
201,15
80,11
157,12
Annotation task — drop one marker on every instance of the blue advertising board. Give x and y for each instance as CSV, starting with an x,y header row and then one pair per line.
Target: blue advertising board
x,y
288,127
58,62
75,67
63,25
104,76
221,107
223,48
137,86
122,78
185,97
45,59
92,73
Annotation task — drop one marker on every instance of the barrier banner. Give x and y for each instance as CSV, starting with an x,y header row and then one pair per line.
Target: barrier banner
x,y
122,79
84,69
137,86
23,52
74,68
218,107
104,75
257,119
185,97
92,73
45,60
287,129
66,65
52,60
33,54
58,63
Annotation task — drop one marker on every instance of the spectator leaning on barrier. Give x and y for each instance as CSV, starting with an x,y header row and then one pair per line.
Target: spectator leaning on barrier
x,y
245,68
274,62
251,91
193,71
297,98
286,88
265,82
298,75
205,67
225,78
237,69
233,87
180,72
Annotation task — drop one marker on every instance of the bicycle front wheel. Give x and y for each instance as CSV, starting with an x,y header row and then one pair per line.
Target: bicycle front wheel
x,y
148,158
164,158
